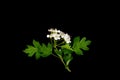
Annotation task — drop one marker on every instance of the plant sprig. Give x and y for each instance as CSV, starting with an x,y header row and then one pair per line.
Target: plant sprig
x,y
60,46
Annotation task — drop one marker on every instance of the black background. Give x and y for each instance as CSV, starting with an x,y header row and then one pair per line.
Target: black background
x,y
31,23
23,22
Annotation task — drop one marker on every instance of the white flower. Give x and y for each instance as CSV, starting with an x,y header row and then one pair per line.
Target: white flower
x,y
54,30
58,31
62,34
57,35
51,30
54,34
67,38
48,36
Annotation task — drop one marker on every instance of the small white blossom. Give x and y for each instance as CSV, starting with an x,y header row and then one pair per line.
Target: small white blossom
x,y
62,34
53,30
50,30
48,36
58,31
67,38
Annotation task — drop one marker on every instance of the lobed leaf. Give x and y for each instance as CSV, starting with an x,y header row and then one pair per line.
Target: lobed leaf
x,y
38,50
30,50
66,46
79,45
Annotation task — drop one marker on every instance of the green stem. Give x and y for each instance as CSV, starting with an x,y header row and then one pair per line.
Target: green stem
x,y
66,66
51,41
54,44
55,55
59,56
62,60
61,43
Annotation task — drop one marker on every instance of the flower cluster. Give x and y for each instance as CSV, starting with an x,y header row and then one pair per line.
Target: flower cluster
x,y
57,35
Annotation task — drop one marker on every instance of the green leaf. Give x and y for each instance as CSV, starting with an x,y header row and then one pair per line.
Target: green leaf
x,y
79,45
37,55
67,58
30,50
49,46
66,51
38,50
78,51
46,50
36,44
67,46
84,43
76,42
